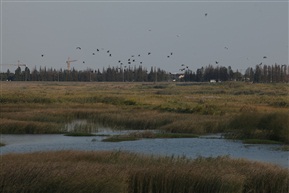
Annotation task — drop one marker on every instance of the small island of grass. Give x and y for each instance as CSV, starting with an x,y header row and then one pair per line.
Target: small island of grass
x,y
79,134
260,141
147,135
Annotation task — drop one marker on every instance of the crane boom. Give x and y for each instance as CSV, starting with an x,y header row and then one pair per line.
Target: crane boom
x,y
18,64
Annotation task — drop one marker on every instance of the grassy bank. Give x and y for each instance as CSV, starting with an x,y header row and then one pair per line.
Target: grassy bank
x,y
52,107
109,172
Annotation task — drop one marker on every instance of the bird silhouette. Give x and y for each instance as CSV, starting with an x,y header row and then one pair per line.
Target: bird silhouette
x,y
79,48
216,62
206,14
83,62
149,53
97,50
264,57
42,55
93,53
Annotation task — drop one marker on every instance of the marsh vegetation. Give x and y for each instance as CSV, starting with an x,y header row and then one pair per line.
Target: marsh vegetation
x,y
242,110
109,172
252,112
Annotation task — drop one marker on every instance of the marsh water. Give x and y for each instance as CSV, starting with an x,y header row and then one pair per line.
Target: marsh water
x,y
207,146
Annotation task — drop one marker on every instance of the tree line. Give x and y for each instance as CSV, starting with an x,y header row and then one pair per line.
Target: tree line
x,y
259,74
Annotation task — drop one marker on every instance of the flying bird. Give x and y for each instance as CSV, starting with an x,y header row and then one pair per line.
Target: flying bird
x,y
79,48
93,53
97,50
149,53
206,14
216,62
264,57
42,55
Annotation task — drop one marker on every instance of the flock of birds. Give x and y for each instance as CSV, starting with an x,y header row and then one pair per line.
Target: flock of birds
x,y
137,59
133,59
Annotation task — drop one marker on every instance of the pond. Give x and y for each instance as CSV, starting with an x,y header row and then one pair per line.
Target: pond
x,y
208,146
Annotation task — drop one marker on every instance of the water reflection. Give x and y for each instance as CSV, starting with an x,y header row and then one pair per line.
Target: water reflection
x,y
190,147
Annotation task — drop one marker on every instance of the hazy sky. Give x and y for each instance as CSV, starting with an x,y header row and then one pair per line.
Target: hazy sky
x,y
234,33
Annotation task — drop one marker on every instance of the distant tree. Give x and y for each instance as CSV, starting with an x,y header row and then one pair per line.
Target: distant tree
x,y
26,74
17,74
199,75
230,73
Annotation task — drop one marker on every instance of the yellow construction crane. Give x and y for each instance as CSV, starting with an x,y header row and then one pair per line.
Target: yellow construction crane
x,y
68,61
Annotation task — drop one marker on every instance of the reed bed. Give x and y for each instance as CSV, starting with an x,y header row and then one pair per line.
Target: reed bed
x,y
109,172
45,107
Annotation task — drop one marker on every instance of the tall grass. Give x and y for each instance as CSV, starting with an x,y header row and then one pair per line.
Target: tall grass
x,y
42,107
272,126
109,172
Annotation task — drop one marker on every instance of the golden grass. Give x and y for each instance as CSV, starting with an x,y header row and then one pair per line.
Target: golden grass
x,y
109,172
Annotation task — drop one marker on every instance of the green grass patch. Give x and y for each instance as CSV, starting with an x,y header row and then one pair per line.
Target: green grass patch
x,y
263,126
77,134
119,138
260,141
283,148
147,135
175,135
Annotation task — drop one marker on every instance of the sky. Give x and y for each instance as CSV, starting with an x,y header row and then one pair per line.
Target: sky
x,y
44,33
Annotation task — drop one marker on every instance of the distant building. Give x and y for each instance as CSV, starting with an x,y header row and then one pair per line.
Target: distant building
x,y
213,81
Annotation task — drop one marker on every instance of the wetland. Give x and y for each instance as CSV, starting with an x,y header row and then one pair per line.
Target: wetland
x,y
204,123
